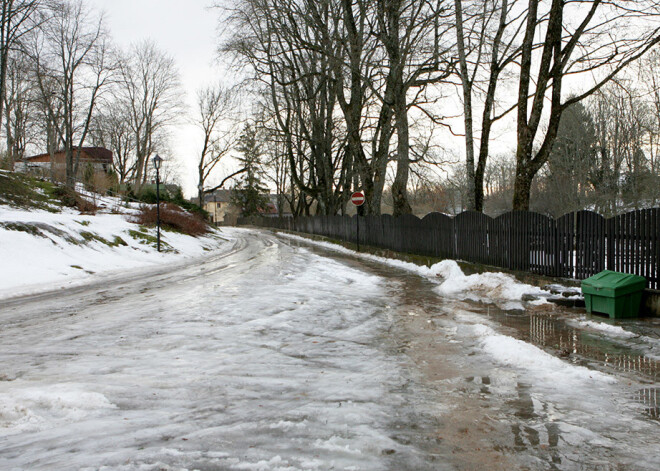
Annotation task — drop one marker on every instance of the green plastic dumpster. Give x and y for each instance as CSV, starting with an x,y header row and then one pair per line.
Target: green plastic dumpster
x,y
613,293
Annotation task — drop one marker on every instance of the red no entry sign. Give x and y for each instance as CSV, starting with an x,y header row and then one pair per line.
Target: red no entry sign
x,y
357,198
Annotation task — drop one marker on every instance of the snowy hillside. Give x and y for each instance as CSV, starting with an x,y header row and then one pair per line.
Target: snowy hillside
x,y
44,245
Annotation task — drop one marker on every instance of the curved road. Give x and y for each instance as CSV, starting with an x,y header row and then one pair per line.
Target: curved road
x,y
275,355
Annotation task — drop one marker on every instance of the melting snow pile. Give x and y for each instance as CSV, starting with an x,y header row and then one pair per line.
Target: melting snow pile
x,y
608,329
489,287
36,409
483,286
516,353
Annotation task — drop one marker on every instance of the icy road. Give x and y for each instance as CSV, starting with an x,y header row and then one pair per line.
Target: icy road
x,y
276,355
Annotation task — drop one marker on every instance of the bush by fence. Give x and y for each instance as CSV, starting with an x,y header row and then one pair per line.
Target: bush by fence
x,y
577,245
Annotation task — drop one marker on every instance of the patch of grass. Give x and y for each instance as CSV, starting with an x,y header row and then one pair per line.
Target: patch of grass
x,y
93,237
21,227
65,196
78,267
69,198
119,241
23,191
83,223
142,236
148,239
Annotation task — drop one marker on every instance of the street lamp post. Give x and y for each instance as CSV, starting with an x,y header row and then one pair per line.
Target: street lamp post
x,y
157,163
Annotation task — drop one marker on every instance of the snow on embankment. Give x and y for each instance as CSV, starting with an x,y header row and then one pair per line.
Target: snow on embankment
x,y
42,250
453,283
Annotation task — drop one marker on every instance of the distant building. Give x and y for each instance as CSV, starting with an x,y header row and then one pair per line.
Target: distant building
x,y
218,205
273,207
223,212
99,158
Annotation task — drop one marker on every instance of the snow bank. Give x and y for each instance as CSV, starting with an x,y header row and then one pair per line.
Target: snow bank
x,y
42,250
488,287
483,286
608,329
519,354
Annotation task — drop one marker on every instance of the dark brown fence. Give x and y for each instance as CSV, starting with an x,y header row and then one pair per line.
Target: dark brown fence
x,y
577,245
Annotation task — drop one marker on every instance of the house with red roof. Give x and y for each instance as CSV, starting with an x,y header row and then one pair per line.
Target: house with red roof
x,y
99,158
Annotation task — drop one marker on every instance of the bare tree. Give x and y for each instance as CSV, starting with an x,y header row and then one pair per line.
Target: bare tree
x,y
649,81
72,51
216,109
111,129
564,182
276,168
17,19
623,173
291,48
487,33
590,39
21,109
150,91
413,35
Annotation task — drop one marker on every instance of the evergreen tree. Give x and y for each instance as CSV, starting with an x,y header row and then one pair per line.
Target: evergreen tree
x,y
567,179
250,194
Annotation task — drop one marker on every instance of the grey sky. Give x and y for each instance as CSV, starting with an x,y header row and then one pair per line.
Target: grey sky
x,y
185,29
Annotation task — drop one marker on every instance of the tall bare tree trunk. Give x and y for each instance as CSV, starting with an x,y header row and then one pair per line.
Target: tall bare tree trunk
x,y
467,105
400,184
391,25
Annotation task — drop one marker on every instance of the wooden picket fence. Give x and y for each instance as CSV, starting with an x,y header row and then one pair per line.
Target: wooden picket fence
x,y
577,245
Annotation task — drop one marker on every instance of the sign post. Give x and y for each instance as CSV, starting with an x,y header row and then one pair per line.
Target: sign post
x,y
357,199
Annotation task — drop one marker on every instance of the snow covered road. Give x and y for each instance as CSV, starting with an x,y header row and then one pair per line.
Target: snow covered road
x,y
273,355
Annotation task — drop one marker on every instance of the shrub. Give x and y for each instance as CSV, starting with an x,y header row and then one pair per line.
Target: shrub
x,y
65,195
85,207
148,195
69,198
173,217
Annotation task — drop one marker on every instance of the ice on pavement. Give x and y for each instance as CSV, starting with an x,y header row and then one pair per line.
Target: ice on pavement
x,y
489,287
585,413
272,357
273,361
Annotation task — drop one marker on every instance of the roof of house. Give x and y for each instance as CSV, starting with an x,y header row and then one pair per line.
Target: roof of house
x,y
95,154
220,196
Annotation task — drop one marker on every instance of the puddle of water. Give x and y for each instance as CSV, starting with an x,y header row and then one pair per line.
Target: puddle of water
x,y
554,334
470,417
648,397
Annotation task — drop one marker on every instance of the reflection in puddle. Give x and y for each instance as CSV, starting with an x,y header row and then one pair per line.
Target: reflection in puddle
x,y
633,364
581,347
526,436
585,348
649,398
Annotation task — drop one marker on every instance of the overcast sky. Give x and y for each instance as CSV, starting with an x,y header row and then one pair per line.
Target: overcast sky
x,y
186,30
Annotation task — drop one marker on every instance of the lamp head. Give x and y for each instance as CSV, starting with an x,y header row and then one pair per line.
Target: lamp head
x,y
158,161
